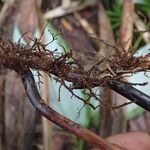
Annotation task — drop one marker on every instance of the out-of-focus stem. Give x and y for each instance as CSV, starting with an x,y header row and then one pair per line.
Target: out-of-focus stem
x,y
7,10
125,42
47,126
126,29
106,34
2,114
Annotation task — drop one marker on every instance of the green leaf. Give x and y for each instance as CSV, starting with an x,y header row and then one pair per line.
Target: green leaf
x,y
144,6
137,42
115,14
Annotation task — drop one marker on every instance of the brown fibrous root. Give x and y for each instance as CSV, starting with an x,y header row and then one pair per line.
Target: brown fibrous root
x,y
63,67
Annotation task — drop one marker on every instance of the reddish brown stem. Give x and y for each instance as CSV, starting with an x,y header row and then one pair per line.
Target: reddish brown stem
x,y
65,123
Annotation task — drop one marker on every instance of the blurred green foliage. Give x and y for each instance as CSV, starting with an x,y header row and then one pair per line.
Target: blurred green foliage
x,y
144,6
115,15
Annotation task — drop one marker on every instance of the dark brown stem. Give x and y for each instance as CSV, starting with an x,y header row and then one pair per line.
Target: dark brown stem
x,y
58,119
131,93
